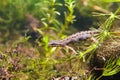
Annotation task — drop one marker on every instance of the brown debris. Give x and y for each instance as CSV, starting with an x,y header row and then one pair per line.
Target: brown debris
x,y
110,47
32,25
4,74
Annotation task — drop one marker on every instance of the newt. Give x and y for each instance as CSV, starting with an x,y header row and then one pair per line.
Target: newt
x,y
79,36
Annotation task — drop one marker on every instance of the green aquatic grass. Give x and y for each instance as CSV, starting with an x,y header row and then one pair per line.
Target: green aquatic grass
x,y
110,68
111,0
69,16
103,35
44,67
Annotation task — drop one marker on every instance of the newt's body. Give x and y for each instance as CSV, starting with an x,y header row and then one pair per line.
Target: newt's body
x,y
74,38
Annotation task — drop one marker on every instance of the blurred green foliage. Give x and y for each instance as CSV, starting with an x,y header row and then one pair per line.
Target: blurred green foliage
x,y
57,17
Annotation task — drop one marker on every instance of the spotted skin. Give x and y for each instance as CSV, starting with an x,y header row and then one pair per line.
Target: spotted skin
x,y
83,35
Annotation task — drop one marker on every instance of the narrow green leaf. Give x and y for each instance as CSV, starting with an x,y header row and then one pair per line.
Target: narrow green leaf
x,y
118,61
111,0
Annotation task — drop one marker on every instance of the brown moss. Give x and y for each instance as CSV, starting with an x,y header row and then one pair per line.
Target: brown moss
x,y
110,47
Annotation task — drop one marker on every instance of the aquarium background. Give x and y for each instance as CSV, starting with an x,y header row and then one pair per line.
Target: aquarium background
x,y
27,27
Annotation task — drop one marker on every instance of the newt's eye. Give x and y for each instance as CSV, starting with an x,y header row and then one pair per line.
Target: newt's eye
x,y
51,44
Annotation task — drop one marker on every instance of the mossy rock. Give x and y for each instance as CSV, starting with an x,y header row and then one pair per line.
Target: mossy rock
x,y
110,47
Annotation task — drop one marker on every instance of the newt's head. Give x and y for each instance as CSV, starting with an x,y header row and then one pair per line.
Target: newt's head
x,y
55,43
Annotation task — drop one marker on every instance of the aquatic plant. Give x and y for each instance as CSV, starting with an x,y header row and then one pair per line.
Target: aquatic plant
x,y
21,60
110,67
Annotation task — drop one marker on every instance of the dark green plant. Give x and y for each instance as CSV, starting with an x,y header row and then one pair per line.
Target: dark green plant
x,y
110,0
105,32
12,13
69,16
110,68
44,66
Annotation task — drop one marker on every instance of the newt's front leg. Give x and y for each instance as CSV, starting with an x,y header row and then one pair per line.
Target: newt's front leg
x,y
71,49
94,40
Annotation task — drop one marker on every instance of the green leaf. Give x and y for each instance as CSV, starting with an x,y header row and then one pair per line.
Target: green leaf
x,y
111,0
111,67
118,61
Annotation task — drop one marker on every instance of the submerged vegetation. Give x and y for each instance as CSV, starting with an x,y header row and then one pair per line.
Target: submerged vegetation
x,y
27,27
